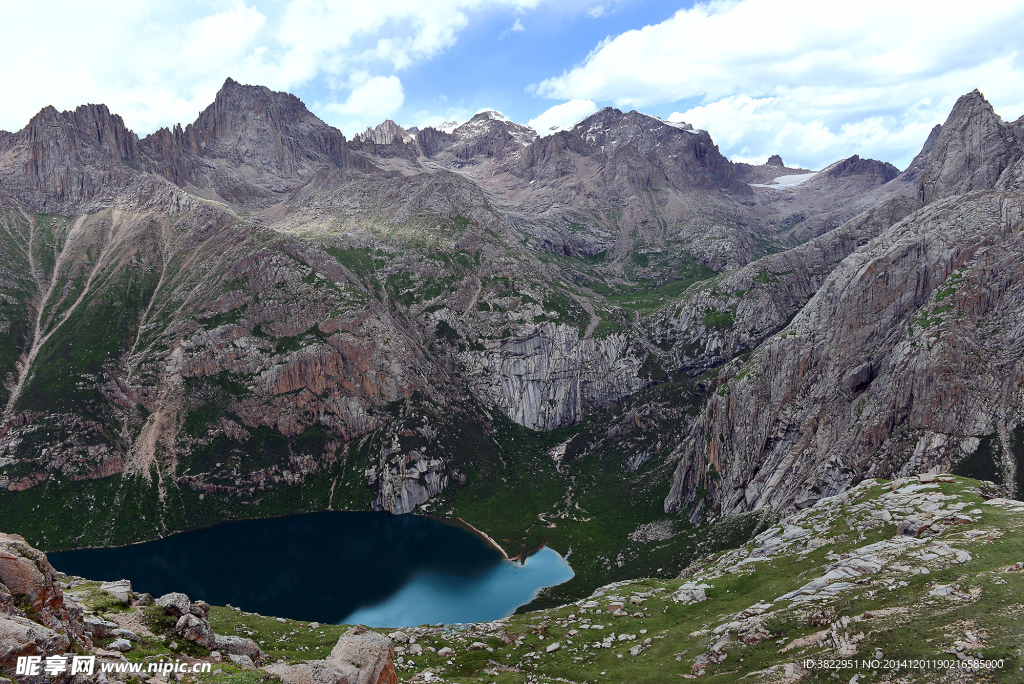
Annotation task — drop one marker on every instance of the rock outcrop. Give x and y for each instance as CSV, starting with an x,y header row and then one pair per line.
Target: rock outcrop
x,y
973,147
27,577
193,624
359,657
63,159
36,618
905,357
552,377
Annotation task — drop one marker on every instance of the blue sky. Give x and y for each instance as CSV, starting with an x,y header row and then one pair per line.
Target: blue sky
x,y
812,81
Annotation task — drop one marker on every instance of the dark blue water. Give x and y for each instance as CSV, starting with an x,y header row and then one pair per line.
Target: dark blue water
x,y
336,567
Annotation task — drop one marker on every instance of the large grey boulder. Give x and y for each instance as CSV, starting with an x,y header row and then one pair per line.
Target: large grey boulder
x,y
242,662
237,646
98,626
201,609
120,645
121,590
196,630
360,657
176,603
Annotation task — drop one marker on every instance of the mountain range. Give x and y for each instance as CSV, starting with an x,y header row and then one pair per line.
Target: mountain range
x,y
254,314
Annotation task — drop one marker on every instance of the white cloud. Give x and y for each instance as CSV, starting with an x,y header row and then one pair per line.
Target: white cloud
x,y
517,27
563,116
160,63
596,12
425,118
371,101
873,73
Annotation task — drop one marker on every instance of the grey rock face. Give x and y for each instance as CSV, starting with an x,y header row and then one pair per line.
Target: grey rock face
x,y
65,158
21,637
551,376
908,349
740,309
408,481
972,149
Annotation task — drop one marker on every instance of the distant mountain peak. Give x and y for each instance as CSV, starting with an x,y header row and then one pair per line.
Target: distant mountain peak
x,y
385,133
971,150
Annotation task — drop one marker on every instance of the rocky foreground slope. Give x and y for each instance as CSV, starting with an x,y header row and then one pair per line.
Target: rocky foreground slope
x,y
914,580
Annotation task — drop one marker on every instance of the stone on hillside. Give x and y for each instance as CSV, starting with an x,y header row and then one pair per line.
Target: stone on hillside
x,y
360,657
399,637
235,645
121,645
196,630
551,648
98,626
121,590
691,592
242,662
925,478
367,655
176,603
201,609
446,651
911,527
126,634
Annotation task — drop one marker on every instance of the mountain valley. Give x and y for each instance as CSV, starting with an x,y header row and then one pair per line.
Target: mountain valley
x,y
589,339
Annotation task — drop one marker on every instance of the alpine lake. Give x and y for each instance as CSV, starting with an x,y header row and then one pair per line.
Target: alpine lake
x,y
375,569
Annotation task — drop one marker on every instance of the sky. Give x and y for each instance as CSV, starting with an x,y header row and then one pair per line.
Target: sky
x,y
812,81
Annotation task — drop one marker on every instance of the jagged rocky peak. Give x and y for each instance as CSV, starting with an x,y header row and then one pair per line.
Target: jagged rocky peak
x,y
877,171
775,160
90,132
386,133
236,105
492,120
269,130
971,150
687,158
490,134
63,157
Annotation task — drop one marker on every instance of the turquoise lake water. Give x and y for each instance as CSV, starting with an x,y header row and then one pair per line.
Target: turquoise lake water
x,y
376,569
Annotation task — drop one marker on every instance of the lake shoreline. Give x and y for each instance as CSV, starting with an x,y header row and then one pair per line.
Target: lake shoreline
x,y
462,524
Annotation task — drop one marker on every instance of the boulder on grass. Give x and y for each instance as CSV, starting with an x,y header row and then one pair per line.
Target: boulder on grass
x,y
196,630
176,603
